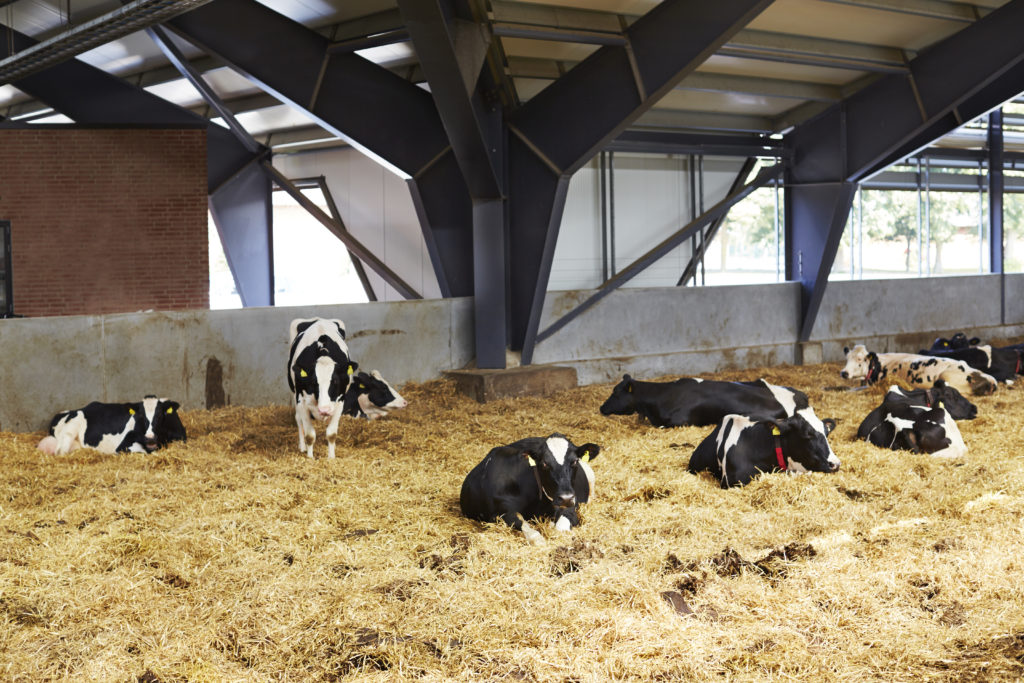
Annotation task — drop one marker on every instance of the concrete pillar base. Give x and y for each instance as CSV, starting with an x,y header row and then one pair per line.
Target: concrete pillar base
x,y
532,380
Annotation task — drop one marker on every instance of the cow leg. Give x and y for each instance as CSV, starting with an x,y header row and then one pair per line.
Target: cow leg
x,y
332,429
307,430
298,421
516,521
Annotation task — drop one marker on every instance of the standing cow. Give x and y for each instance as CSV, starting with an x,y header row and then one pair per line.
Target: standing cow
x,y
139,427
534,477
319,370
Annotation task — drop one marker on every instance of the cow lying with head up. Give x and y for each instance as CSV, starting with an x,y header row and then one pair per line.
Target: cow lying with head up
x,y
740,448
534,477
319,370
919,372
139,427
901,424
695,401
371,396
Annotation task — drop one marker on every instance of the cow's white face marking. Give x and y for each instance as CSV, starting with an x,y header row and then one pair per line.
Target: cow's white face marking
x,y
784,397
857,362
563,524
558,447
149,407
324,371
397,401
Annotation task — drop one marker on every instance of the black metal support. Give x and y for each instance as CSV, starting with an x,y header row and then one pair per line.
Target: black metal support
x,y
996,185
564,125
242,212
7,275
355,246
359,102
668,244
811,249
712,230
451,51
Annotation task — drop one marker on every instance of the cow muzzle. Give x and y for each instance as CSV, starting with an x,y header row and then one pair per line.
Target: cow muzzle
x,y
844,374
325,411
564,501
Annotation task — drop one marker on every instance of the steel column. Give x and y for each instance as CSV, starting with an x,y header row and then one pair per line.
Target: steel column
x,y
242,212
996,185
811,249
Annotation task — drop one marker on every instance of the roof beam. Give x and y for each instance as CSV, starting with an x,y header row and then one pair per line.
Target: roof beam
x,y
568,122
782,47
935,9
360,102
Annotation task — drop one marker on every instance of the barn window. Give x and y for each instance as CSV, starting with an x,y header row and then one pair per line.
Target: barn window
x,y
6,283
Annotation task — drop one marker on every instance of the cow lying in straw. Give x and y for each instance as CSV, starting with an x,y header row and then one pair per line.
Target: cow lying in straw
x,y
918,372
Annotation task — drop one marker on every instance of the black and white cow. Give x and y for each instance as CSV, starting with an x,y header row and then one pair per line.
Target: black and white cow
x,y
1002,363
695,401
920,372
544,477
370,396
957,341
958,407
740,448
899,425
139,427
319,370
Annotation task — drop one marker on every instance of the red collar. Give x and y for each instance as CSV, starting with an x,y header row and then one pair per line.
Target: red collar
x,y
779,457
928,397
867,377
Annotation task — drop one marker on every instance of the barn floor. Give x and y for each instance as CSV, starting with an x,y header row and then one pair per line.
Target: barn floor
x,y
235,558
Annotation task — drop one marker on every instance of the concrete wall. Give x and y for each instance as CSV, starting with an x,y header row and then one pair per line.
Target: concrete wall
x,y
52,364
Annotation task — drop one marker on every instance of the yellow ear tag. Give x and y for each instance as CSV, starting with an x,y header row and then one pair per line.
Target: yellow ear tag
x,y
351,370
170,410
131,411
586,456
302,373
942,406
776,432
533,463
629,389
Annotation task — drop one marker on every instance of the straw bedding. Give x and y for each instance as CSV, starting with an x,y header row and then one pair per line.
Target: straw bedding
x,y
235,558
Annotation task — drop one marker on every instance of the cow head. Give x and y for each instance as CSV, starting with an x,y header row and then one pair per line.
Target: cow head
x,y
805,445
861,364
622,401
958,407
556,461
161,423
929,432
326,379
375,396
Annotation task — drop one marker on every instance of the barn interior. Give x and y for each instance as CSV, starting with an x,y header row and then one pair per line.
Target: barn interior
x,y
514,185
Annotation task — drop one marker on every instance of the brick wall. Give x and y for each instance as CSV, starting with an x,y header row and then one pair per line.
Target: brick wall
x,y
105,220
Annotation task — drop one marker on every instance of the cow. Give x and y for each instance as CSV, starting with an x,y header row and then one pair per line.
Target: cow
x,y
958,407
536,477
899,425
370,396
1002,363
140,427
957,341
920,372
319,371
695,401
741,447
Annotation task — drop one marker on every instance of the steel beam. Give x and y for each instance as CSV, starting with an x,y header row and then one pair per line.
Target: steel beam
x,y
359,102
89,95
812,249
243,214
712,230
717,211
995,203
568,122
655,142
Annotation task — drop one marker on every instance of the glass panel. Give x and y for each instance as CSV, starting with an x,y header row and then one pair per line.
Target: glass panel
x,y
1013,226
748,247
957,245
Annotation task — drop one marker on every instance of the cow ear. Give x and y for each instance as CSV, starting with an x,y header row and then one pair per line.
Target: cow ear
x,y
846,350
352,367
912,438
588,451
830,424
529,458
172,406
974,341
939,383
